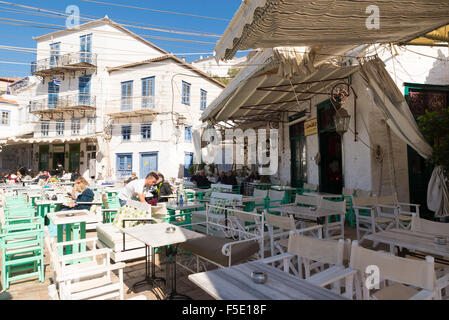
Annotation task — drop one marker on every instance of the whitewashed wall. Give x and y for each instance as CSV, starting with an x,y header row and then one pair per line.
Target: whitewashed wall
x,y
168,91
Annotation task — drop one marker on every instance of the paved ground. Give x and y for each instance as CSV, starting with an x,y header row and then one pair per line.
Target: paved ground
x,y
34,290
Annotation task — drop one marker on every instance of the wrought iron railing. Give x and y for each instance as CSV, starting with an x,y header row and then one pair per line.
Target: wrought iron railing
x,y
63,102
66,60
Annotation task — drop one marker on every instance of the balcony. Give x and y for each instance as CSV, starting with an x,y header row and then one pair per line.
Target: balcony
x,y
64,63
58,104
131,107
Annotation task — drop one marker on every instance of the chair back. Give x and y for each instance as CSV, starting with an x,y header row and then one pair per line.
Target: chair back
x,y
237,198
310,187
363,193
284,223
431,227
365,201
276,195
348,192
307,201
259,193
418,273
338,206
387,200
324,251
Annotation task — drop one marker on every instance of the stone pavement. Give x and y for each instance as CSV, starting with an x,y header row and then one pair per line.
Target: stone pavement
x,y
32,289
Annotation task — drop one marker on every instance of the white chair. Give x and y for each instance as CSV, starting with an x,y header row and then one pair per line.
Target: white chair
x,y
408,276
334,230
363,193
388,206
310,187
259,193
90,278
367,220
307,201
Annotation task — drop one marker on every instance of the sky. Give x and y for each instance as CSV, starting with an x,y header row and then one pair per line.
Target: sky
x,y
33,22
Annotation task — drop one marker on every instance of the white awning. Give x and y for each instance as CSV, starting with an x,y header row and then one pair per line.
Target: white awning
x,y
17,140
272,23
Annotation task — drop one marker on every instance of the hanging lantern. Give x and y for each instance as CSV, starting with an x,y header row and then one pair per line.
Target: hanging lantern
x,y
341,120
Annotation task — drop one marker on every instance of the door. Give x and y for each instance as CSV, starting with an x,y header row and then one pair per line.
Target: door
x,y
188,161
84,90
148,163
124,165
54,54
53,93
58,155
74,157
127,93
86,48
422,98
298,155
44,157
331,164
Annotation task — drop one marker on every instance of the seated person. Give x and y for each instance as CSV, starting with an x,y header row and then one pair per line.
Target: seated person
x,y
229,179
200,180
75,175
164,189
85,195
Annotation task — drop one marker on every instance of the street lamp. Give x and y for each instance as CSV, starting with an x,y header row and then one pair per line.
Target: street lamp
x,y
341,120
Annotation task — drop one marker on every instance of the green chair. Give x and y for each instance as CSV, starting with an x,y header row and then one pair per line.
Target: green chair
x,y
22,249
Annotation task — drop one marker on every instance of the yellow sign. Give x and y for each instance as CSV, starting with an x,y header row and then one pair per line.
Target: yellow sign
x,y
311,127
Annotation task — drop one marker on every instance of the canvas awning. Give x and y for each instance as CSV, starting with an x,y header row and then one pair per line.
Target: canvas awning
x,y
17,140
272,86
272,23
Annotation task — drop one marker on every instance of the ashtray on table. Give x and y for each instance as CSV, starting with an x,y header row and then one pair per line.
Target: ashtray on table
x,y
259,277
440,240
170,230
69,214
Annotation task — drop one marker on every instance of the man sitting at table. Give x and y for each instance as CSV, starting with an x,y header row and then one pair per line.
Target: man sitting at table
x,y
84,195
164,189
135,190
200,180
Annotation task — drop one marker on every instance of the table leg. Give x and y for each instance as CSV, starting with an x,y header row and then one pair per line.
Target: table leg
x,y
149,279
173,295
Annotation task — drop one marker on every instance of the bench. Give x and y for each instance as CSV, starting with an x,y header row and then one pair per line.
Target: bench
x,y
242,239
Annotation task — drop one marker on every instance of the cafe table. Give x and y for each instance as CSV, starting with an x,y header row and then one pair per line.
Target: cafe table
x,y
43,207
408,242
235,283
74,223
155,236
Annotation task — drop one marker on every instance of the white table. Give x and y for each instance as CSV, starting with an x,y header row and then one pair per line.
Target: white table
x,y
307,211
235,283
184,206
411,240
155,236
322,195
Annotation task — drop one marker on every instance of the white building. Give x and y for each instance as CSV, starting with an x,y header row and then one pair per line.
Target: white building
x,y
210,65
154,106
79,93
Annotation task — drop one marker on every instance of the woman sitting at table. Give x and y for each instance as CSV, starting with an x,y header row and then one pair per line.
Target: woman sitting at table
x,y
84,195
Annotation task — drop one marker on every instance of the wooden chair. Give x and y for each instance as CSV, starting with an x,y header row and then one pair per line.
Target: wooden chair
x,y
389,207
363,193
367,220
275,199
259,193
408,276
307,201
308,187
334,230
88,279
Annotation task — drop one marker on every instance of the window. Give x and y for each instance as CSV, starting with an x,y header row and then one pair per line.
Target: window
x,y
186,93
188,134
124,164
53,92
84,90
86,48
54,53
91,125
127,93
76,126
146,131
148,93
126,133
59,127
203,101
5,117
45,125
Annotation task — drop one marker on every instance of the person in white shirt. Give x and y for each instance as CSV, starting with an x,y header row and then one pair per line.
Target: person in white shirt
x,y
135,189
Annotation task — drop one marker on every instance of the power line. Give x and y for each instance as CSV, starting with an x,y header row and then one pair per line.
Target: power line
x,y
156,10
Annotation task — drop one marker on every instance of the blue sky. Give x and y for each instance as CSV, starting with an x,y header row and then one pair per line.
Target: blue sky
x,y
22,36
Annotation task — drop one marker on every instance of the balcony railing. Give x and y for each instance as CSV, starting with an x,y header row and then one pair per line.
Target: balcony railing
x,y
60,103
132,106
72,61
